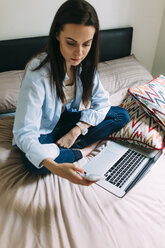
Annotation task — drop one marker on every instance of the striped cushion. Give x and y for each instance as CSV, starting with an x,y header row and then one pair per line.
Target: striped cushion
x,y
141,129
151,97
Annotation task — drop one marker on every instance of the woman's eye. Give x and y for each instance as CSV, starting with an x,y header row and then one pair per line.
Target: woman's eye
x,y
71,44
74,44
86,44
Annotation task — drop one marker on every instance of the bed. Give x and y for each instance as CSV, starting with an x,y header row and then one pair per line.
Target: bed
x,y
50,212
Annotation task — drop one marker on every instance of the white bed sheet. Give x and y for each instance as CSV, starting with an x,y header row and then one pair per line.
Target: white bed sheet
x,y
50,212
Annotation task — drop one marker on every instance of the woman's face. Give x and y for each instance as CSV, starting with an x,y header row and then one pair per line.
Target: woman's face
x,y
75,42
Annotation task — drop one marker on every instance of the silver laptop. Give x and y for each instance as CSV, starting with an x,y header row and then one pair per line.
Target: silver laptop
x,y
122,166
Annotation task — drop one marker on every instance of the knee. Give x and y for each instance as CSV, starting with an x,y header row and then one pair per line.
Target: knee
x,y
31,168
125,117
120,117
35,171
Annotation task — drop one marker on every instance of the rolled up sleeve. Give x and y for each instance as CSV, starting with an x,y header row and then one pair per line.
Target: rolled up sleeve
x,y
28,120
38,152
100,104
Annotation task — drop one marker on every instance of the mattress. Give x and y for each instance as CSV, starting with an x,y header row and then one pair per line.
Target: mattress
x,y
49,211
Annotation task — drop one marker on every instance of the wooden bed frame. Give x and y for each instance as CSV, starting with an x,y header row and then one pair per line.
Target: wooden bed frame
x,y
14,54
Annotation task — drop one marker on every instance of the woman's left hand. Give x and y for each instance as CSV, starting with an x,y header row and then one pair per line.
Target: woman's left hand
x,y
68,139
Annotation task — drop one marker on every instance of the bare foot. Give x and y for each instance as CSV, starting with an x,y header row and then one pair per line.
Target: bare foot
x,y
85,151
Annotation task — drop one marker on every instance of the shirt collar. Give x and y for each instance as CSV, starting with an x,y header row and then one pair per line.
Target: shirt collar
x,y
67,77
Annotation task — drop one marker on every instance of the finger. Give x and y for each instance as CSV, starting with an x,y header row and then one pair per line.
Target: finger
x,y
76,168
82,181
86,183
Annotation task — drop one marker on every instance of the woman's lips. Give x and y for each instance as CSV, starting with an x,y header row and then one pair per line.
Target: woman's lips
x,y
75,60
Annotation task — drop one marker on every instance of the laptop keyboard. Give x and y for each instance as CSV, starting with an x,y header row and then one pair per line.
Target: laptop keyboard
x,y
119,173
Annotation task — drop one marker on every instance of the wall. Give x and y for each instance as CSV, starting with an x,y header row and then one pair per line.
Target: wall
x,y
20,18
159,61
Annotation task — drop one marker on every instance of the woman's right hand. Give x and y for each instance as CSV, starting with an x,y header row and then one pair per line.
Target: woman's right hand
x,y
67,171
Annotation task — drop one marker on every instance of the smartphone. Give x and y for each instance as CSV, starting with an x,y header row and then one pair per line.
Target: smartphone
x,y
91,177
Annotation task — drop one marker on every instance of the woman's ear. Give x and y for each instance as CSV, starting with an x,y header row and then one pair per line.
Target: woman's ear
x,y
57,36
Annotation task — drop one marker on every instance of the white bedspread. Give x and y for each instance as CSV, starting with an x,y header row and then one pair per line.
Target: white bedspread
x,y
50,212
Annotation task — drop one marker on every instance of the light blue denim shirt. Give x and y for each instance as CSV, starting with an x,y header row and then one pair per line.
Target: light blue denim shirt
x,y
38,111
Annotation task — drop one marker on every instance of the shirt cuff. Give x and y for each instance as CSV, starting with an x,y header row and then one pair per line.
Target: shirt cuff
x,y
94,117
38,152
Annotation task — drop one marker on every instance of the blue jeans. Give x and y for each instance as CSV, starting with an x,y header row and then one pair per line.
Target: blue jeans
x,y
115,119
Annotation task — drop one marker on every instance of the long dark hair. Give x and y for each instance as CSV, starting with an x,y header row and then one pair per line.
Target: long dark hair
x,y
75,12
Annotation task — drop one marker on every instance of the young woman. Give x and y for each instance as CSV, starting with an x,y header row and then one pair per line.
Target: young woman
x,y
51,128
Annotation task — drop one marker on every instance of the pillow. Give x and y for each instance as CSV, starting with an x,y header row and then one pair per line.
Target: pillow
x,y
151,97
10,83
142,129
122,73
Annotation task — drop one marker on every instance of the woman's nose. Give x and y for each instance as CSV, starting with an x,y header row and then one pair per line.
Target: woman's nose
x,y
78,51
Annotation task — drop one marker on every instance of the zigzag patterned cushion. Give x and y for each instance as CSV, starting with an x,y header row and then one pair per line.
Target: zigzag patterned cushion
x,y
141,129
151,97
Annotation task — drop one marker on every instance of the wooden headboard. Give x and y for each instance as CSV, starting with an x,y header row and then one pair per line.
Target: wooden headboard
x,y
14,54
